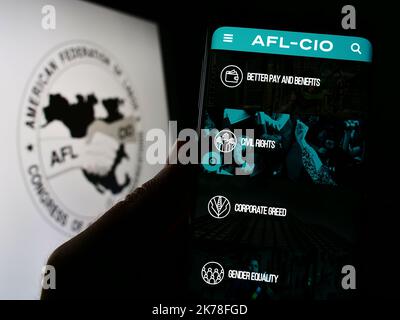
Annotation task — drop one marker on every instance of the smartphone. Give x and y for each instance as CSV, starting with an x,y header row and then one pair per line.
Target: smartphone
x,y
281,189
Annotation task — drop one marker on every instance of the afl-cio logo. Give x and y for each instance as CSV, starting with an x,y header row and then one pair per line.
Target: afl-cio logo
x,y
79,135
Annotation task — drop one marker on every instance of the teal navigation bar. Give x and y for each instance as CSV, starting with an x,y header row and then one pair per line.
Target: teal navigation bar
x,y
292,43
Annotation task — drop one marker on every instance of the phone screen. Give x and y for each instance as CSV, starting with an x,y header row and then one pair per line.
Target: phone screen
x,y
282,182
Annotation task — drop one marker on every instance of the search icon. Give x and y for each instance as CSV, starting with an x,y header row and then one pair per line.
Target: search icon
x,y
355,47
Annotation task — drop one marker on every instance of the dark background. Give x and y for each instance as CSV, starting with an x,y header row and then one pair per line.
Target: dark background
x,y
183,29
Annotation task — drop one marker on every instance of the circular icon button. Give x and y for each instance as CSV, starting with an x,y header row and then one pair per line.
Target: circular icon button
x,y
225,141
231,76
212,273
219,207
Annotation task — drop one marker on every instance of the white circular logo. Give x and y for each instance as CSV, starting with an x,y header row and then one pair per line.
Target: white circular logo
x,y
225,141
79,135
231,76
219,207
212,273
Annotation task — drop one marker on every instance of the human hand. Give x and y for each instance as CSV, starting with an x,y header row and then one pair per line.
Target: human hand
x,y
138,248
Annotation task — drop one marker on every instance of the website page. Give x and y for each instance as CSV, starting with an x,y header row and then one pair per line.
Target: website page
x,y
282,185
